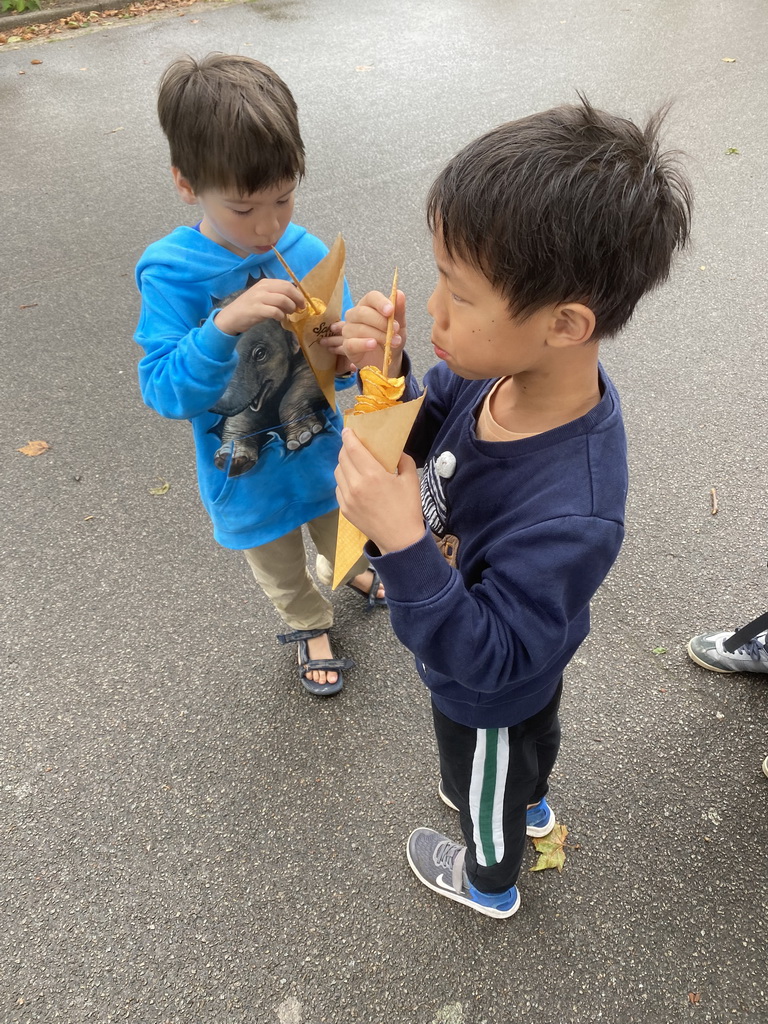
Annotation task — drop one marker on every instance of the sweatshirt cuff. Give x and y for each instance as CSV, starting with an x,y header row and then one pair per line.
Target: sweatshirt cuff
x,y
413,574
215,344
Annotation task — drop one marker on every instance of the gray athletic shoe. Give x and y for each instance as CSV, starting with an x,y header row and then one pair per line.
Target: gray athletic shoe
x,y
438,862
707,650
765,766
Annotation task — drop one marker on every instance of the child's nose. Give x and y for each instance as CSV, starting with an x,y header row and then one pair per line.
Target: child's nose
x,y
435,307
268,228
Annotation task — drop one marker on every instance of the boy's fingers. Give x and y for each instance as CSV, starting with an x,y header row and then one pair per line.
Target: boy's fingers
x,y
406,466
365,317
400,310
356,455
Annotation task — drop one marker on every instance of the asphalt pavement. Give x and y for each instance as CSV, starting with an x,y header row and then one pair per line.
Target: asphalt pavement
x,y
187,836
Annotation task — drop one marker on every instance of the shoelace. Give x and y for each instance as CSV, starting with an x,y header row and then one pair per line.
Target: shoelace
x,y
445,853
448,854
755,650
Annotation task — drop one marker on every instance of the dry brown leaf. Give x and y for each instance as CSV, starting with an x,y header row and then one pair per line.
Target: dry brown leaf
x,y
551,849
694,998
80,19
34,448
35,62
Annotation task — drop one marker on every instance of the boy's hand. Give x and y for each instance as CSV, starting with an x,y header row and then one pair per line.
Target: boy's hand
x,y
335,344
365,328
268,299
385,506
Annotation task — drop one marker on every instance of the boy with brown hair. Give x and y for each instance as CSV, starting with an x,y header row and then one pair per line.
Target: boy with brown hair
x,y
547,231
213,296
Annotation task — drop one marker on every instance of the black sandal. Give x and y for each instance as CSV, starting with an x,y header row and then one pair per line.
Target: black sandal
x,y
371,595
307,664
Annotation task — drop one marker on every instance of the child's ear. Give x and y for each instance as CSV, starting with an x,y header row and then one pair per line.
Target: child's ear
x,y
183,187
572,324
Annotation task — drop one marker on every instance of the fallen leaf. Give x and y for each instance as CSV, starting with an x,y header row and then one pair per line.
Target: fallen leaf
x,y
195,21
162,489
731,150
14,39
364,67
659,650
113,130
551,849
88,518
34,448
29,305
694,998
728,60
35,62
22,72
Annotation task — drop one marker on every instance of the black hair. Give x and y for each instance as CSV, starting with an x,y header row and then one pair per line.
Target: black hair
x,y
571,204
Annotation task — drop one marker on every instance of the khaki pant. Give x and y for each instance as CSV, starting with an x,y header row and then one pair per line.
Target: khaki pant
x,y
280,568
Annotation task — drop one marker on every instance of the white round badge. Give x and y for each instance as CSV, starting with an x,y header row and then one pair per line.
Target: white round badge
x,y
445,465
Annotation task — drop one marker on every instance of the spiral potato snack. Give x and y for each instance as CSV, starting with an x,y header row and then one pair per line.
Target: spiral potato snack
x,y
382,423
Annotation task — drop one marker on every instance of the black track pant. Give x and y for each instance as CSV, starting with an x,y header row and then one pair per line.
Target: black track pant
x,y
492,775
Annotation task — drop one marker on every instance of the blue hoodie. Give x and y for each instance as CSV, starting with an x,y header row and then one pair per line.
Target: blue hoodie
x,y
192,370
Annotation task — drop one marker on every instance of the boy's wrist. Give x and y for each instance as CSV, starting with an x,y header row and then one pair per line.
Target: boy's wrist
x,y
227,324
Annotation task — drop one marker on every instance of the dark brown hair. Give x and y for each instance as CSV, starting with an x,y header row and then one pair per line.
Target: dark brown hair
x,y
572,204
231,122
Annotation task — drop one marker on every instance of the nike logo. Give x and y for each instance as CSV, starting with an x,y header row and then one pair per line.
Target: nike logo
x,y
443,884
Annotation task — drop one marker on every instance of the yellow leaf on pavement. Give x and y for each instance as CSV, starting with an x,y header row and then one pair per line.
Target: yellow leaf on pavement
x,y
162,489
551,849
34,448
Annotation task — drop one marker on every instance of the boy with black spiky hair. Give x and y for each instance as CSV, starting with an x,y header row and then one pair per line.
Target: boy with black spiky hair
x,y
547,231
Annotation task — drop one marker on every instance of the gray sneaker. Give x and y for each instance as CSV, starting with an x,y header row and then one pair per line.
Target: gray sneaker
x,y
438,862
765,766
707,650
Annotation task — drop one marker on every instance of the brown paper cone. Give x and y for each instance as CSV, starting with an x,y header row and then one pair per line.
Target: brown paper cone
x,y
384,434
324,281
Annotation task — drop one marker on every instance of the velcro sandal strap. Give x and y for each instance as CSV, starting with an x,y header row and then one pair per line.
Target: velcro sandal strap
x,y
301,634
328,664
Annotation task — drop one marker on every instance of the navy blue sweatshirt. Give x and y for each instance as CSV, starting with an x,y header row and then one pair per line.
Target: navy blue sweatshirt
x,y
494,599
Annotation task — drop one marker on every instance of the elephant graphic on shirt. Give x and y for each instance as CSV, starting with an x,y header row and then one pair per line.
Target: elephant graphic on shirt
x,y
272,392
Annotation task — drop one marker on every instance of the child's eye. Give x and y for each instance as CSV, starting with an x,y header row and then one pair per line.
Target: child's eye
x,y
283,202
241,213
456,298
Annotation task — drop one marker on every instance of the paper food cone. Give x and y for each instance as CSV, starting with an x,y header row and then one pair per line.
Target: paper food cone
x,y
324,281
384,433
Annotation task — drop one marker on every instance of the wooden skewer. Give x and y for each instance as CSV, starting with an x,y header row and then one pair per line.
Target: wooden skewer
x,y
390,328
296,281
